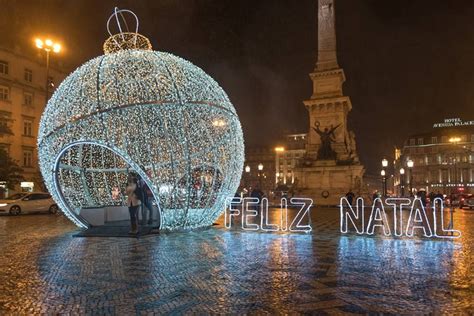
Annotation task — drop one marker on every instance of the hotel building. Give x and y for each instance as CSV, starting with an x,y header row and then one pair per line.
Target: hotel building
x,y
441,159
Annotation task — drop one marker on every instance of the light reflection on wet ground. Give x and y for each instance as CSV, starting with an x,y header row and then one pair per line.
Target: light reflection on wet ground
x,y
45,270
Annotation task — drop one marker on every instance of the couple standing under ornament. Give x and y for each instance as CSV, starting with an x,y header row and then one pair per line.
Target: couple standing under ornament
x,y
139,196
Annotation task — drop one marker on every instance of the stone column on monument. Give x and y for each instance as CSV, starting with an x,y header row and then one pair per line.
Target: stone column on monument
x,y
332,167
327,58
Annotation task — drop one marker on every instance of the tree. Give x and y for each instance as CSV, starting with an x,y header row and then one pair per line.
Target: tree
x,y
10,172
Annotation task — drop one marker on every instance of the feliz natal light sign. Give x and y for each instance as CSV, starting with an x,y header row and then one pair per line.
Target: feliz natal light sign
x,y
251,208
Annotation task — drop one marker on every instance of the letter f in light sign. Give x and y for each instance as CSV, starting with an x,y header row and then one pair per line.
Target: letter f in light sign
x,y
231,211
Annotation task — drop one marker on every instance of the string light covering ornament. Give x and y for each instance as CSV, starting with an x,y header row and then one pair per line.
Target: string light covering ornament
x,y
135,109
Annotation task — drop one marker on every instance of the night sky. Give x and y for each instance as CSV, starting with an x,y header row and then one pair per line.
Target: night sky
x,y
408,63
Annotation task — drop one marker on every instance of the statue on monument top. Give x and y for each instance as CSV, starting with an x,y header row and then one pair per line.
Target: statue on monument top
x,y
327,136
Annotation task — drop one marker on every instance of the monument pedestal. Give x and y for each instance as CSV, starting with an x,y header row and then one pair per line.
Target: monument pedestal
x,y
329,137
326,182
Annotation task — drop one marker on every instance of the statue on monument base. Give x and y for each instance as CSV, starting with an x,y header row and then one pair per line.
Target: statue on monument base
x,y
327,136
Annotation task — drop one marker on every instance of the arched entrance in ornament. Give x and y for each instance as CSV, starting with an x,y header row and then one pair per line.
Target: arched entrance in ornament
x,y
90,179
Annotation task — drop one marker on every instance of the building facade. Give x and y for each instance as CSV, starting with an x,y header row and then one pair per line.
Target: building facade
x,y
287,158
259,169
22,101
439,160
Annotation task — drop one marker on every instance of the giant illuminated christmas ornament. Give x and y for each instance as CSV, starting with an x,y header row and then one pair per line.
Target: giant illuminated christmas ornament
x,y
135,109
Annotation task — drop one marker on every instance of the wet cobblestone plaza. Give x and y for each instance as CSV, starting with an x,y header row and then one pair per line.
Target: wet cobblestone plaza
x,y
44,269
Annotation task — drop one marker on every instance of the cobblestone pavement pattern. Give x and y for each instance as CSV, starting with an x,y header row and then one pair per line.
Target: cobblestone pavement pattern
x,y
45,270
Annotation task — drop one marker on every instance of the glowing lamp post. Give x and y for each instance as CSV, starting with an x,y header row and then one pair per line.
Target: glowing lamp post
x,y
247,171
260,168
384,183
384,179
402,181
48,46
410,165
455,141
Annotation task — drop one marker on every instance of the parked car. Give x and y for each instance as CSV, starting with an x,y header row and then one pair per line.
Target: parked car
x,y
467,201
458,200
28,202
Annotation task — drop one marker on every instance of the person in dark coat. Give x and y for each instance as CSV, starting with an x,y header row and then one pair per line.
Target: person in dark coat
x,y
350,197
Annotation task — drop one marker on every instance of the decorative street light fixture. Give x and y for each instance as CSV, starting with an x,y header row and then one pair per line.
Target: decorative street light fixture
x,y
48,46
384,179
260,168
384,183
402,181
410,165
455,141
247,171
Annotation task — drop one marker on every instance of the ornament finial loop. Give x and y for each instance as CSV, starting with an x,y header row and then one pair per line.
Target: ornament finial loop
x,y
124,39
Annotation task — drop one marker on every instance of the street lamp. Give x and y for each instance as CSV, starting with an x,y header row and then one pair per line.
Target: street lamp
x,y
384,165
48,46
384,182
410,165
455,141
260,168
402,181
247,171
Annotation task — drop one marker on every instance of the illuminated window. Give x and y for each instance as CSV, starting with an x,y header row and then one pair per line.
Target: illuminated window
x,y
27,98
434,140
420,141
28,75
412,142
27,158
4,93
3,67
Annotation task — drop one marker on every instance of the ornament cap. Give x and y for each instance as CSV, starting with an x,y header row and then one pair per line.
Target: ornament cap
x,y
124,40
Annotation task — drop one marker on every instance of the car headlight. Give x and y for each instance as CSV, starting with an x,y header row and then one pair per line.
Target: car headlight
x,y
3,204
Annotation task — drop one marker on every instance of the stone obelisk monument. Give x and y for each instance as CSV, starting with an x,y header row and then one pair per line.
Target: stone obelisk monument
x,y
331,167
